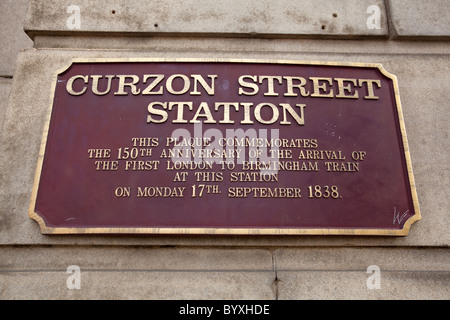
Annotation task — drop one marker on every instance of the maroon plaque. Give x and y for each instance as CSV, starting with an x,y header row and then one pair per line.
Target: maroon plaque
x,y
224,147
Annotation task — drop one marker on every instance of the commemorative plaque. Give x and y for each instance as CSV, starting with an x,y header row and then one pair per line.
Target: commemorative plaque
x,y
186,146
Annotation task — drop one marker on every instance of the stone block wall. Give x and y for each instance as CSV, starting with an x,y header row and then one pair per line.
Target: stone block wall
x,y
410,40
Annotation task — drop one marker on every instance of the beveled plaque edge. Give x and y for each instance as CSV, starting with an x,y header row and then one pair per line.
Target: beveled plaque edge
x,y
226,231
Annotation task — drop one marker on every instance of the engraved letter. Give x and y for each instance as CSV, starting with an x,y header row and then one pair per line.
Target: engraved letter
x,y
287,107
180,110
369,86
226,110
153,84
322,86
270,87
343,88
185,86
275,113
291,86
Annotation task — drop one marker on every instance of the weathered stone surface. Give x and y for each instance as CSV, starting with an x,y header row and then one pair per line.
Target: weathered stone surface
x,y
417,19
254,18
124,259
5,87
352,285
37,272
14,39
135,285
238,46
419,94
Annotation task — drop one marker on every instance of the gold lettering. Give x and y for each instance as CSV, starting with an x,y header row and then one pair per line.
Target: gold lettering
x,y
69,85
163,192
342,166
343,88
101,165
206,114
122,84
275,113
369,85
180,176
263,192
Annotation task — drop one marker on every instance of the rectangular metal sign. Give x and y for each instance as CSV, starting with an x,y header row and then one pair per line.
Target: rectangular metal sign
x,y
224,147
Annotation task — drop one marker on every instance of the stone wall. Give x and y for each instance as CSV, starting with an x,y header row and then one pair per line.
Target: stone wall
x,y
410,40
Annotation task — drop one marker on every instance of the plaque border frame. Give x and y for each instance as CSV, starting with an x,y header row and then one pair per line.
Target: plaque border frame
x,y
225,231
